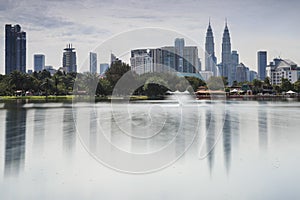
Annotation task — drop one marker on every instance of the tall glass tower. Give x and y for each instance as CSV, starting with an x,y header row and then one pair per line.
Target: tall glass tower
x,y
210,58
226,54
179,48
69,59
15,49
261,64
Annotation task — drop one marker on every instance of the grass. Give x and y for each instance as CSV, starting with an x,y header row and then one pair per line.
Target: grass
x,y
52,98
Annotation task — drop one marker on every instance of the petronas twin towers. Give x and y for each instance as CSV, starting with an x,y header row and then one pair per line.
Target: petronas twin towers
x,y
225,68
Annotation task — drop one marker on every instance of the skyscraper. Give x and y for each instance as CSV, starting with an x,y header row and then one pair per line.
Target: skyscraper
x,y
226,54
261,65
210,58
39,62
234,64
93,62
179,46
103,68
69,59
15,49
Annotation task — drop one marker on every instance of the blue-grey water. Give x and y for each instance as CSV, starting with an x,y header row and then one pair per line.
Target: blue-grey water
x,y
54,151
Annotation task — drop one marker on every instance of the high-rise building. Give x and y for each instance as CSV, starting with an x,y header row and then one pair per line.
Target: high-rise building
x,y
261,64
241,73
210,58
93,63
103,68
234,64
15,49
142,60
179,48
39,62
179,58
226,54
253,75
69,59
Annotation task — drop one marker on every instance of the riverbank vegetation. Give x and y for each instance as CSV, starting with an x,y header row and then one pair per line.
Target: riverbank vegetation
x,y
64,86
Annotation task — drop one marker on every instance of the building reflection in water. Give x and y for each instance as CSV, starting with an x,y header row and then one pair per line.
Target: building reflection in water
x,y
93,130
227,140
69,130
262,126
15,136
210,124
39,130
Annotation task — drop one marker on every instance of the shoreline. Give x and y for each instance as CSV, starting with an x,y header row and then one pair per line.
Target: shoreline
x,y
71,98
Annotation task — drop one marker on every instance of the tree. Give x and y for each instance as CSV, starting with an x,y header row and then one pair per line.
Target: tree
x,y
155,86
267,82
116,71
297,86
286,85
195,82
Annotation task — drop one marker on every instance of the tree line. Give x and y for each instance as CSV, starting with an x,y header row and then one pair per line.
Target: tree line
x,y
149,84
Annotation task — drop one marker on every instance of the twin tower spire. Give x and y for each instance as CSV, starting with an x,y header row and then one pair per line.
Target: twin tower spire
x,y
223,69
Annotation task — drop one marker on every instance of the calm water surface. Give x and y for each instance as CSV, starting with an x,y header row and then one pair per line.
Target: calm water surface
x,y
256,156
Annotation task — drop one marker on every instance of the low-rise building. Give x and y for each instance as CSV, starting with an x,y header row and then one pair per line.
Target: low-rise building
x,y
283,68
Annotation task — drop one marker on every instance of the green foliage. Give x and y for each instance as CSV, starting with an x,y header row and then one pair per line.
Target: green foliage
x,y
155,86
116,71
216,83
286,85
297,86
195,82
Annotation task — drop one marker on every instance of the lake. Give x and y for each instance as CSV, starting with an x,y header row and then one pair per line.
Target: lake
x,y
150,150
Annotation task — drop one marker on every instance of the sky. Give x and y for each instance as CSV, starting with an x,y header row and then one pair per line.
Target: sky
x,y
271,25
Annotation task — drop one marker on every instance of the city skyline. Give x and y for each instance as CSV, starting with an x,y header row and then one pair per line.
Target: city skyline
x,y
252,27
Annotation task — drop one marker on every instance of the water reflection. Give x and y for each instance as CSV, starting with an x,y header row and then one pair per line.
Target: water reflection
x,y
227,140
262,126
39,130
15,141
210,139
69,130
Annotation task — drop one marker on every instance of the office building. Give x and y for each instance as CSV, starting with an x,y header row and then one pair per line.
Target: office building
x,y
226,54
103,68
234,64
241,73
39,62
210,58
15,49
69,59
283,68
93,63
253,75
179,48
177,58
261,64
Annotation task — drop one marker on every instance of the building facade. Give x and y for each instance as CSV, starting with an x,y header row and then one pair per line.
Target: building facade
x,y
103,68
166,59
226,55
93,63
69,59
210,58
234,64
283,68
15,49
38,62
241,73
261,65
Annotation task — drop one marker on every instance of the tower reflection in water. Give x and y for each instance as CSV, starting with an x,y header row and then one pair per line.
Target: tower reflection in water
x,y
15,132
